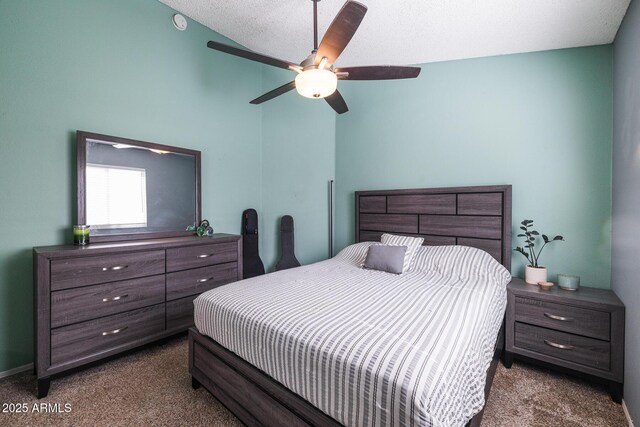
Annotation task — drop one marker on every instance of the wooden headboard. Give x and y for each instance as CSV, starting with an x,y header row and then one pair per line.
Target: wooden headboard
x,y
470,216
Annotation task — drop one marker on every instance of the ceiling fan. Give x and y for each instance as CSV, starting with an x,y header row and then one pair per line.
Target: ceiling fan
x,y
317,78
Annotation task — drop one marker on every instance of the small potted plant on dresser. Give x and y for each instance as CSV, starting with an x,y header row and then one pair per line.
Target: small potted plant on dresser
x,y
534,273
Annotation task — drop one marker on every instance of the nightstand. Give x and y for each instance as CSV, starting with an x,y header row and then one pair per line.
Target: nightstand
x,y
576,331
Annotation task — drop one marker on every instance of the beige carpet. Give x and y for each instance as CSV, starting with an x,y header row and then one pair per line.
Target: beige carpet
x,y
153,387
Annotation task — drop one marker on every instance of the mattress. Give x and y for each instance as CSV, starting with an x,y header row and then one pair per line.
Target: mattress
x,y
370,348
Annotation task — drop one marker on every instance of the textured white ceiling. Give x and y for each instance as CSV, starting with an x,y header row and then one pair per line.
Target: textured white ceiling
x,y
413,31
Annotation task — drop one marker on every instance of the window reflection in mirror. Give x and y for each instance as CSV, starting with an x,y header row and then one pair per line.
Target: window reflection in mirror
x,y
117,196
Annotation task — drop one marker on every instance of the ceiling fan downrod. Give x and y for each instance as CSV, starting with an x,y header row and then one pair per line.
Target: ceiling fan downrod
x,y
315,26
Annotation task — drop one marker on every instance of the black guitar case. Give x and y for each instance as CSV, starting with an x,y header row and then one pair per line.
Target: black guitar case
x,y
251,263
288,258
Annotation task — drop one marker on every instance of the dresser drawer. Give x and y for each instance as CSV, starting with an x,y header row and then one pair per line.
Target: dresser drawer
x,y
83,271
567,318
201,255
198,280
72,342
573,348
180,313
90,302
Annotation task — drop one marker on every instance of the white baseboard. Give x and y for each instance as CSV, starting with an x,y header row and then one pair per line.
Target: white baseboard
x,y
16,370
626,413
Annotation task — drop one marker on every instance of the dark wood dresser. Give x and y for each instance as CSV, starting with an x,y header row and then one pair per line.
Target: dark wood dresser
x,y
99,300
580,331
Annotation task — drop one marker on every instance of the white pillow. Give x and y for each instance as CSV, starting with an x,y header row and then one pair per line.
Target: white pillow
x,y
412,244
355,254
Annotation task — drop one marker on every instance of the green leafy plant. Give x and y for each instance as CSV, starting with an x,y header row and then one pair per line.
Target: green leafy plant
x,y
530,237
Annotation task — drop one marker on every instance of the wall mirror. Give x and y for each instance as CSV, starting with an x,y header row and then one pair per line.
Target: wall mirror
x,y
129,189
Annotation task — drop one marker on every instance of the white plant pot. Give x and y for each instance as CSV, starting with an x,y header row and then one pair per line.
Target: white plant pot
x,y
534,275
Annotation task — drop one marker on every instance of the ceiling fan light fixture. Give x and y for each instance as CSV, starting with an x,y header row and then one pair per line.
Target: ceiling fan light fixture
x,y
317,78
316,83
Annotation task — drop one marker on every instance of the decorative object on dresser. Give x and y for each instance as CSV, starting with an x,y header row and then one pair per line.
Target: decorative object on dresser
x,y
546,285
100,300
581,332
81,235
202,230
568,282
534,273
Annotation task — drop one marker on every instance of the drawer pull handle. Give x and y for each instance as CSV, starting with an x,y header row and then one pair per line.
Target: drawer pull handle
x,y
560,346
204,256
204,280
119,297
115,268
115,331
561,318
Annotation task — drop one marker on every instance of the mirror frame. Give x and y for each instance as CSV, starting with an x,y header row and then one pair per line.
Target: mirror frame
x,y
81,182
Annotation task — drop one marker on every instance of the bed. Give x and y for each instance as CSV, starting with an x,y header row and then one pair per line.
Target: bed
x,y
334,344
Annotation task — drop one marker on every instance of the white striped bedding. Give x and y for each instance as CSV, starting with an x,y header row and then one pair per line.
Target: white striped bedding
x,y
366,347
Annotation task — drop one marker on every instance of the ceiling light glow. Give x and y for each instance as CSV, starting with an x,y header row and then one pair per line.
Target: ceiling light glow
x,y
316,83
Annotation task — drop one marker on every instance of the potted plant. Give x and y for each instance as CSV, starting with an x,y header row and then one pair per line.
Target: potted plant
x,y
534,273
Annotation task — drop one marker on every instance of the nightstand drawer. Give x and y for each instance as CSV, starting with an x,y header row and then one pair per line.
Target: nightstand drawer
x,y
201,256
90,302
191,282
577,349
90,270
567,318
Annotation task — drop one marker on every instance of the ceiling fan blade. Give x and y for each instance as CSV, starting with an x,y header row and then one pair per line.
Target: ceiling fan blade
x,y
379,72
253,56
276,92
337,102
340,32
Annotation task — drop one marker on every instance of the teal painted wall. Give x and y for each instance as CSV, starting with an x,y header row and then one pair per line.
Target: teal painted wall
x,y
117,67
626,203
539,121
298,160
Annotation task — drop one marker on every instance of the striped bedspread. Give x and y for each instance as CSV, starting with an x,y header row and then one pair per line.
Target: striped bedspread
x,y
370,348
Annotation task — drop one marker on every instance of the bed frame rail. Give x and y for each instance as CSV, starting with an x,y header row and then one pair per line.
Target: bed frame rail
x,y
253,396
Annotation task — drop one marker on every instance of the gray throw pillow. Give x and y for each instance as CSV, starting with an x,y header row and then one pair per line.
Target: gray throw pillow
x,y
385,258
